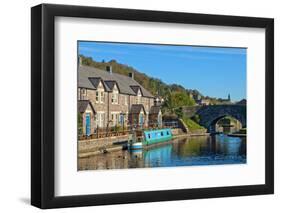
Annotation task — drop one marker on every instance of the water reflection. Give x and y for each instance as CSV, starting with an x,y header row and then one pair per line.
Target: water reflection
x,y
213,150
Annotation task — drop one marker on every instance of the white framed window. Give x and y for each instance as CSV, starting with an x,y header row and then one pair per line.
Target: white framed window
x,y
101,96
97,96
100,119
83,93
100,93
114,98
115,118
141,119
138,97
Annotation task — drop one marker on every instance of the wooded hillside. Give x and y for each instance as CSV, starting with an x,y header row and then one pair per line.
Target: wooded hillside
x,y
177,93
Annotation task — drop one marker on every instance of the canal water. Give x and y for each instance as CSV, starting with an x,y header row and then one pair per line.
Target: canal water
x,y
191,151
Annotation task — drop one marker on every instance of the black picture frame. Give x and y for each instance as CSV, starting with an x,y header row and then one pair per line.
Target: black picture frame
x,y
43,102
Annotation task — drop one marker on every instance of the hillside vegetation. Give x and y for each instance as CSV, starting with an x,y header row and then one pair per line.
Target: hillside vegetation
x,y
154,85
175,96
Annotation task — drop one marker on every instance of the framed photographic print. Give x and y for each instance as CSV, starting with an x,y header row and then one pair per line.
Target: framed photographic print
x,y
139,106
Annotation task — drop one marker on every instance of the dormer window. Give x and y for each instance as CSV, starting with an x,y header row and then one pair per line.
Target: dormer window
x,y
114,96
100,94
139,97
97,96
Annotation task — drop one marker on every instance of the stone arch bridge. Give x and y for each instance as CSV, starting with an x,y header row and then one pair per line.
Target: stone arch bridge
x,y
211,114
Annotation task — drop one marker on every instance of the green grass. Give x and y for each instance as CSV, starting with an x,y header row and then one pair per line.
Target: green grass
x,y
192,125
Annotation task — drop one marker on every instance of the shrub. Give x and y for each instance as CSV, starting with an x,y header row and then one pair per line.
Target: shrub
x,y
196,118
192,125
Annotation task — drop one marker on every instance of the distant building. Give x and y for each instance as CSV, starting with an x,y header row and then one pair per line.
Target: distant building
x,y
158,100
202,101
225,101
242,102
205,102
155,116
107,99
196,97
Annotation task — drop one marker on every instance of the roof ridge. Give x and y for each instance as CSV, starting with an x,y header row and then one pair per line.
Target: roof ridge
x,y
113,73
125,83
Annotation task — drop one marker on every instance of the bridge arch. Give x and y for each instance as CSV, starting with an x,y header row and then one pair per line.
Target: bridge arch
x,y
213,125
209,115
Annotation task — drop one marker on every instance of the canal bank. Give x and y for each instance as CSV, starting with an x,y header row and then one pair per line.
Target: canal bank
x,y
96,146
240,133
89,147
237,135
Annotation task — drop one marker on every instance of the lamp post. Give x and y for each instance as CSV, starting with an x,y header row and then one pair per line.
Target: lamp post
x,y
107,127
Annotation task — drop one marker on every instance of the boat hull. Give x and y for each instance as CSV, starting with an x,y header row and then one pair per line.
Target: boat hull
x,y
157,136
135,146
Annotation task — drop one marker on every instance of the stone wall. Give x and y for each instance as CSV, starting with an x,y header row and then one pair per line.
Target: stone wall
x,y
122,107
92,145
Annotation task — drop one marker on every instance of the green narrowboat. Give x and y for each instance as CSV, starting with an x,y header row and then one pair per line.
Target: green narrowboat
x,y
149,137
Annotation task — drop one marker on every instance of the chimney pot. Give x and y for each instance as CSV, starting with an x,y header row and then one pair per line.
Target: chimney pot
x,y
131,75
109,69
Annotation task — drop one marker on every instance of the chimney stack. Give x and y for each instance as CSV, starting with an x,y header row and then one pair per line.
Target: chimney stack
x,y
131,75
109,69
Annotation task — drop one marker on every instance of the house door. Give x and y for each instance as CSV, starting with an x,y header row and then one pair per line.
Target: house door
x,y
141,119
88,124
159,120
121,119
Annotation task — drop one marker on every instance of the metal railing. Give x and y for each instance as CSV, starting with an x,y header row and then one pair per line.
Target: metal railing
x,y
103,132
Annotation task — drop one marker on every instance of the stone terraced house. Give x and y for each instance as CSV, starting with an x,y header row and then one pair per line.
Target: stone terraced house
x,y
107,99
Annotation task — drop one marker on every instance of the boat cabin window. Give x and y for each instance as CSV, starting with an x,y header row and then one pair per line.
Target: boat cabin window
x,y
148,135
162,133
168,133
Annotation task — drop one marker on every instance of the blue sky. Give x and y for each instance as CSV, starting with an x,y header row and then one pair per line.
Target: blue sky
x,y
214,71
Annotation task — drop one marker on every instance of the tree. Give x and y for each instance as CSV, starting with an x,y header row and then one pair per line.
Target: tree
x,y
80,123
175,101
175,95
180,99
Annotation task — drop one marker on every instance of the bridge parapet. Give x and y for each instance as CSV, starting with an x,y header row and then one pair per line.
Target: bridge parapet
x,y
210,114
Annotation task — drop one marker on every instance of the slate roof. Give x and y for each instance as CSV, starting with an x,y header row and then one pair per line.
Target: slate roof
x,y
136,109
135,88
88,78
95,81
110,84
83,104
154,110
242,102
